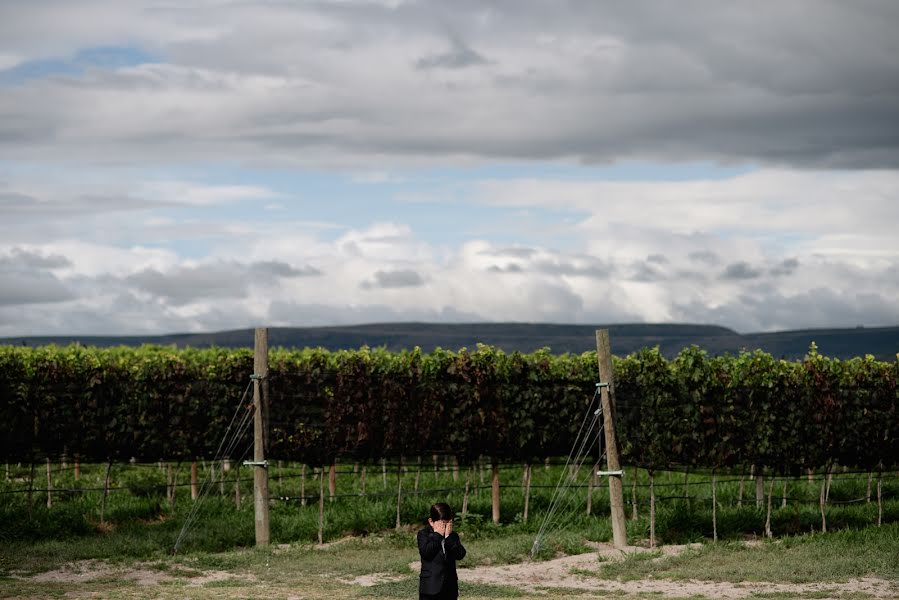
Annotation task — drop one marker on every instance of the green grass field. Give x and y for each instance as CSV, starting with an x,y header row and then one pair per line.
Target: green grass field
x,y
141,527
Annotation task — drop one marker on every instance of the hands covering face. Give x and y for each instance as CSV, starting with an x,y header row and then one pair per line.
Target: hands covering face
x,y
444,528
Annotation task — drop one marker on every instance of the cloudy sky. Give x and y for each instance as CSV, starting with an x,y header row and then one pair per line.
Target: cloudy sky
x,y
198,165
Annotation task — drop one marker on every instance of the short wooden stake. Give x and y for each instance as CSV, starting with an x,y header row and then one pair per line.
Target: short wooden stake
x,y
868,492
105,493
634,512
783,502
823,502
527,490
321,506
465,497
455,468
714,506
362,480
332,482
303,485
495,494
417,475
879,498
652,511
194,481
399,491
768,517
49,483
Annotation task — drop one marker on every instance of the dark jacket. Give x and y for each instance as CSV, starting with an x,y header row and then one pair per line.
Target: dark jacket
x,y
438,571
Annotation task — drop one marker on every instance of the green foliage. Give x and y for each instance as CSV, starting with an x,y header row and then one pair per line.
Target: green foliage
x,y
693,411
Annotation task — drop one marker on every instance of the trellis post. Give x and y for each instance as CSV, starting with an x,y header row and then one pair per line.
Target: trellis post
x,y
260,470
613,466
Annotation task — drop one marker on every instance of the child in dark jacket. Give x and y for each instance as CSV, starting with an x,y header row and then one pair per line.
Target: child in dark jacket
x,y
440,548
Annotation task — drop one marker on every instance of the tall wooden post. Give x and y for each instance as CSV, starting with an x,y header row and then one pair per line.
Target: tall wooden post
x,y
260,472
616,493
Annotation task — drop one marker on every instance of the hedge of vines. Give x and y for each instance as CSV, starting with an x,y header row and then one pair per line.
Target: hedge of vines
x,y
695,410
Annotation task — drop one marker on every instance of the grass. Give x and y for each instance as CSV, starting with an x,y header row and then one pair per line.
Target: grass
x,y
835,556
141,528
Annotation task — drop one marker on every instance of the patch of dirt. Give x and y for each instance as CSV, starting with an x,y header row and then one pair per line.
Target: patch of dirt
x,y
83,571
373,579
573,572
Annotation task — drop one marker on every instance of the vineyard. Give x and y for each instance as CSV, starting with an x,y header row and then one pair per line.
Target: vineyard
x,y
694,412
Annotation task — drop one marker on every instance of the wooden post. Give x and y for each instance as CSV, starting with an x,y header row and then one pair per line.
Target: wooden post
x,y
399,491
495,488
303,485
652,511
742,485
170,487
823,502
321,506
31,490
105,493
783,503
527,490
237,485
417,474
768,532
868,492
332,481
222,479
467,489
590,479
194,481
759,487
362,480
260,435
280,479
714,506
384,471
634,513
607,394
49,483
455,468
879,498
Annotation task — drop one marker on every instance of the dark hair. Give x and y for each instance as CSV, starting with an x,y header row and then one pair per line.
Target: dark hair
x,y
441,512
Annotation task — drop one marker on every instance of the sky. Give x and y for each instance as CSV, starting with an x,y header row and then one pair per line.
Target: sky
x,y
203,165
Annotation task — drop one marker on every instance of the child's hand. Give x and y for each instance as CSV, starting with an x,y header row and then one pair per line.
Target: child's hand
x,y
449,528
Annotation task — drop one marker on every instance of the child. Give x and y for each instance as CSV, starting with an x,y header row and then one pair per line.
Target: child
x,y
440,548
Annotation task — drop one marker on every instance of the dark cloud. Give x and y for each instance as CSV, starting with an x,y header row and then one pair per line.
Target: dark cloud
x,y
282,269
659,259
786,267
510,268
24,259
740,270
704,256
219,280
736,84
458,57
401,278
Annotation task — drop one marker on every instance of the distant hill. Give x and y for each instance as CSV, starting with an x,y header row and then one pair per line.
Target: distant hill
x,y
882,342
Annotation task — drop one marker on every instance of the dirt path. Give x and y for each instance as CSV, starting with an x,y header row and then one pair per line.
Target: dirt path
x,y
574,572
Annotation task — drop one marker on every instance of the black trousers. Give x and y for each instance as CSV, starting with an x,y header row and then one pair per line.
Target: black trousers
x,y
450,592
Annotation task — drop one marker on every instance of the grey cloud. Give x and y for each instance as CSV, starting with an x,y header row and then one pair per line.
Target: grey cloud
x,y
593,268
459,57
401,278
510,268
704,256
17,287
184,285
25,259
25,279
659,259
820,307
282,269
740,270
512,251
739,84
292,313
645,272
786,267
